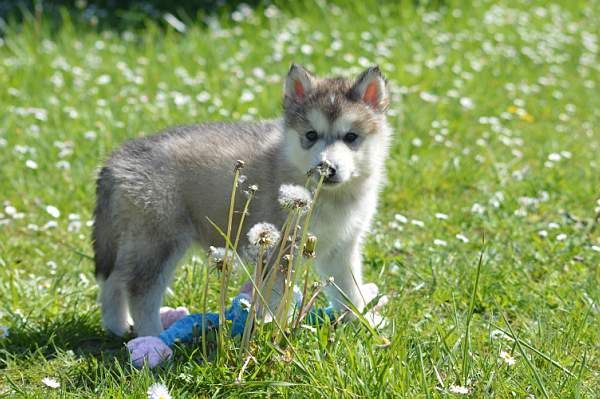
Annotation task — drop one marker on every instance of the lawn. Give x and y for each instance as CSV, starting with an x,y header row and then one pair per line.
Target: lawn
x,y
496,114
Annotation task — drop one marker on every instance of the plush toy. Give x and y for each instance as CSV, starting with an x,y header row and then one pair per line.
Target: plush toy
x,y
181,327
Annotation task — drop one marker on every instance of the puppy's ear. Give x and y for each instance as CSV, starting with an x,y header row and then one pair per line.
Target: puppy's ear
x,y
298,84
371,88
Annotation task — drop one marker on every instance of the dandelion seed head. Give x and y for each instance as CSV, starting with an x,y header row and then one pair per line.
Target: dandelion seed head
x,y
263,234
292,196
216,256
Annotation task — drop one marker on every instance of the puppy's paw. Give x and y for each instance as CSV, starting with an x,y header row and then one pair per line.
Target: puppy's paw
x,y
148,350
369,291
168,315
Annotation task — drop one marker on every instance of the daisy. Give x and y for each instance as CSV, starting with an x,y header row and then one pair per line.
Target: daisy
x,y
508,359
158,391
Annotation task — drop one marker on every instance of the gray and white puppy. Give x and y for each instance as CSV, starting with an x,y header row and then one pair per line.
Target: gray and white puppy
x,y
154,194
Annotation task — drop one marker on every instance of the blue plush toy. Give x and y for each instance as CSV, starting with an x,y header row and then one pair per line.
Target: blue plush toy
x,y
153,350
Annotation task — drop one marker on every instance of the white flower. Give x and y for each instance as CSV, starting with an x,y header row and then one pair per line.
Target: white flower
x,y
553,225
466,102
417,223
401,218
10,210
554,157
158,391
4,331
103,79
428,97
263,234
458,389
50,382
508,359
440,243
309,328
246,96
543,233
31,164
293,196
561,237
441,216
478,208
596,248
462,238
53,211
90,135
306,49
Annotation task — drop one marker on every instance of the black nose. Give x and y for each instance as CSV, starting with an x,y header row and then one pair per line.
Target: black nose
x,y
328,169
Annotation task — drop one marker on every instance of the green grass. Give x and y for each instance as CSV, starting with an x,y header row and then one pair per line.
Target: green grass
x,y
529,81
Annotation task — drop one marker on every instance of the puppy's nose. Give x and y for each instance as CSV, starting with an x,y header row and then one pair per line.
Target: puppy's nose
x,y
328,169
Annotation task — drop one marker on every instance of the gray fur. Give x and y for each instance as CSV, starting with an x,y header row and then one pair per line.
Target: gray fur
x,y
155,195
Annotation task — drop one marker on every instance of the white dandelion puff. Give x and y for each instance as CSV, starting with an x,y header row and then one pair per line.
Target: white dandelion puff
x,y
50,382
158,391
263,234
292,196
216,256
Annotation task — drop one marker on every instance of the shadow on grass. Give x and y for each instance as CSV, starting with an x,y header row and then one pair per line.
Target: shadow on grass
x,y
79,333
117,14
132,14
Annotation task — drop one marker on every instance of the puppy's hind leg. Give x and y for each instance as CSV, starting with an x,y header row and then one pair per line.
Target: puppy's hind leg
x,y
150,272
113,300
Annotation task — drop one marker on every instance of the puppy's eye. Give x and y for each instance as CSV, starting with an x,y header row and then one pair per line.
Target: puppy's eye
x,y
350,137
312,135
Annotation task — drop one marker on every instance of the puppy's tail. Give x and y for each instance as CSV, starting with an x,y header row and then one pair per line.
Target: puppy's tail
x,y
103,234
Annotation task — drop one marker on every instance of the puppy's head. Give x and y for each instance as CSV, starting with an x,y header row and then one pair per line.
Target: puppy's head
x,y
336,121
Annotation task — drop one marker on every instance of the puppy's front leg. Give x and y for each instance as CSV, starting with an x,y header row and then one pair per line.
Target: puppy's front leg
x,y
343,262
